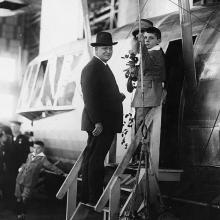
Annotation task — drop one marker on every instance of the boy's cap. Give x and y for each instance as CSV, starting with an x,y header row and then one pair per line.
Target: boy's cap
x,y
15,122
145,23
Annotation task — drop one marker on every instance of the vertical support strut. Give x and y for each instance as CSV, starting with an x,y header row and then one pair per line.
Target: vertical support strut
x,y
187,45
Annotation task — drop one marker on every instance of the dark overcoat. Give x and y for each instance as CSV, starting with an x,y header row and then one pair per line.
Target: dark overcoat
x,y
102,99
20,151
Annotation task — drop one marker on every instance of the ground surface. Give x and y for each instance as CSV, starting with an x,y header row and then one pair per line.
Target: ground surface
x,y
43,209
43,206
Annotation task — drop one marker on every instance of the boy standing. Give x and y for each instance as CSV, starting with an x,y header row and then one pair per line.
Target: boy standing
x,y
28,175
154,74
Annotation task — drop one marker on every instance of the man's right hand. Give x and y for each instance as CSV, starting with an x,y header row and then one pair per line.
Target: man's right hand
x,y
98,129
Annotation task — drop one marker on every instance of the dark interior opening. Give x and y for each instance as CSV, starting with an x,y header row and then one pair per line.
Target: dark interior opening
x,y
170,138
169,147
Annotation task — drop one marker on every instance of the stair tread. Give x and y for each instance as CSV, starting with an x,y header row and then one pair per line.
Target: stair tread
x,y
86,211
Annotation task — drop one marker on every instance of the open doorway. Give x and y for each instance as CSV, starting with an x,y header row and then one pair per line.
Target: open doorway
x,y
169,130
170,136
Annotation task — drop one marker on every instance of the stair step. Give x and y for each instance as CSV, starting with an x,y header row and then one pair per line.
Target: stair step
x,y
165,174
169,175
127,180
106,209
123,187
126,189
86,211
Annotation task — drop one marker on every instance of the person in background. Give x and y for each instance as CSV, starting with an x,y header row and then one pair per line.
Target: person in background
x,y
20,145
28,175
30,136
7,177
102,116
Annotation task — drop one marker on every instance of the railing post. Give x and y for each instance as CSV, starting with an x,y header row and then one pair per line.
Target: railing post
x,y
114,200
137,194
155,138
71,199
71,176
112,14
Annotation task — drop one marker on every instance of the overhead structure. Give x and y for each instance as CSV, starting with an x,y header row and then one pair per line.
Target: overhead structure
x,y
103,15
187,45
87,29
14,7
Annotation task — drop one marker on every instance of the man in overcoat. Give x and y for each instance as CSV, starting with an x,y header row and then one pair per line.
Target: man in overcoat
x,y
102,116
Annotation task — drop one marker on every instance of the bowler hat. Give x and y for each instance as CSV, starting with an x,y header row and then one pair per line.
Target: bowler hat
x,y
145,23
103,39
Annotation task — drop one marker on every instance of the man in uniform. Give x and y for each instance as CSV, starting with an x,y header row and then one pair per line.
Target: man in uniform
x,y
20,145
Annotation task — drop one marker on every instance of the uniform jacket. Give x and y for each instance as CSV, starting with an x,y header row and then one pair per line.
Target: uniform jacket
x,y
20,151
9,156
102,99
1,162
28,176
154,73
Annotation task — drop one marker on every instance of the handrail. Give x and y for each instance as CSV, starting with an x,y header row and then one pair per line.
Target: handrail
x,y
71,176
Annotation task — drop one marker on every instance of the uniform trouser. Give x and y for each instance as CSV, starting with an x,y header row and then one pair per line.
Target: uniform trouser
x,y
93,166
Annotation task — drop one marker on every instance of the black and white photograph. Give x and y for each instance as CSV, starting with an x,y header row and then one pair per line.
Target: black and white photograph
x,y
110,109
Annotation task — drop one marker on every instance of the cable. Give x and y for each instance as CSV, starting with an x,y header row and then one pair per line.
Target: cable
x,y
132,214
179,7
195,16
136,20
204,149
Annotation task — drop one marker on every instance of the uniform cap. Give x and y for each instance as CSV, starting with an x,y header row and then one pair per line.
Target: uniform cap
x,y
145,23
